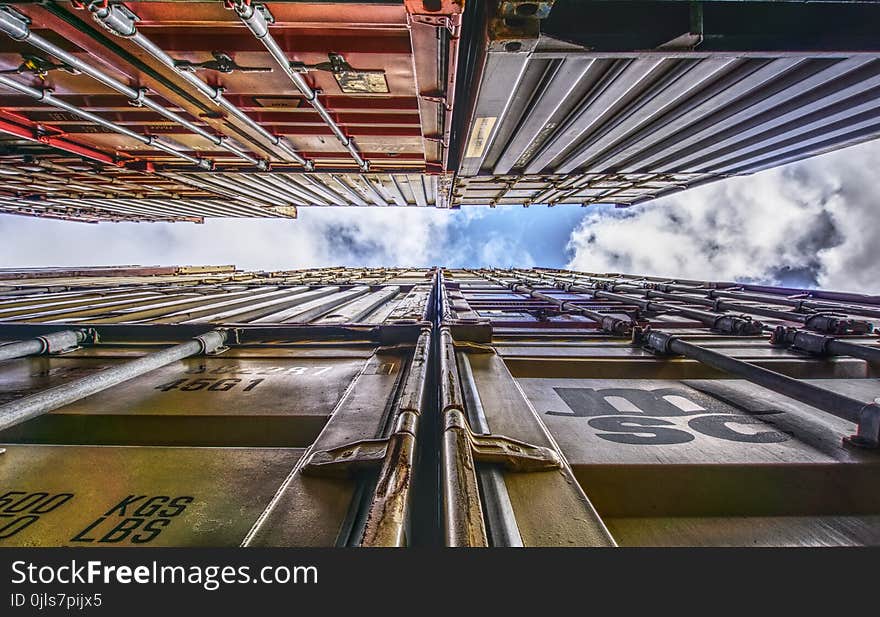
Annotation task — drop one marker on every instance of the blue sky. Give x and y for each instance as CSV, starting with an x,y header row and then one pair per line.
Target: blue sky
x,y
813,223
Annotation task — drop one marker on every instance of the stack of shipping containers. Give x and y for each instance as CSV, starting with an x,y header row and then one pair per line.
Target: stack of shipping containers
x,y
157,422
182,111
373,407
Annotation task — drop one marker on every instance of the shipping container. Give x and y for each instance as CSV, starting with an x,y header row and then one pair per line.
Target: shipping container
x,y
182,111
619,102
149,111
208,444
668,448
207,406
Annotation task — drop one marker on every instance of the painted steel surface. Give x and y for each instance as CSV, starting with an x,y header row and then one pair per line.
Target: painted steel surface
x,y
182,111
117,107
413,407
116,496
622,102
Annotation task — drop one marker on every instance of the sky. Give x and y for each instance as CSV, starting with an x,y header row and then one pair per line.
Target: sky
x,y
815,223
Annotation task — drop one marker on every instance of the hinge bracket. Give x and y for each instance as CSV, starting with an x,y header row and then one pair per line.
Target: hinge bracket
x,y
347,459
452,23
436,96
512,454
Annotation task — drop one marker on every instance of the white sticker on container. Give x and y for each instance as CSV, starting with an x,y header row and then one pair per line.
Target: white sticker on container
x,y
479,137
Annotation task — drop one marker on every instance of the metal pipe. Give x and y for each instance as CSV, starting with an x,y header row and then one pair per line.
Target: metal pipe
x,y
53,342
821,345
839,347
388,510
769,299
119,20
44,96
17,27
821,322
721,322
253,17
814,321
783,294
29,407
865,415
500,519
609,323
462,505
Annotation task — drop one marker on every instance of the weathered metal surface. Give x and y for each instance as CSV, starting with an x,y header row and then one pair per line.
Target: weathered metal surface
x,y
319,510
114,105
216,296
278,400
387,517
621,102
272,387
700,449
35,405
112,496
412,407
181,111
674,451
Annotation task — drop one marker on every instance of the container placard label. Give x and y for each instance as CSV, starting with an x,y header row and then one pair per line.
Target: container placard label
x,y
479,138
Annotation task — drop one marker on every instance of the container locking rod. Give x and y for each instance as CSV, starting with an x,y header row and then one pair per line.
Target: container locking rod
x,y
29,407
50,343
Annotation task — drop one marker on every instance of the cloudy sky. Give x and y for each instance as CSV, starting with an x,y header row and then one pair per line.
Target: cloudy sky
x,y
813,223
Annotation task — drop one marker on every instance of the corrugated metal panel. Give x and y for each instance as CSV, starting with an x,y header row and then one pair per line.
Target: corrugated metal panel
x,y
196,196
668,450
214,504
342,88
574,102
578,189
563,103
215,296
93,271
662,114
211,448
550,408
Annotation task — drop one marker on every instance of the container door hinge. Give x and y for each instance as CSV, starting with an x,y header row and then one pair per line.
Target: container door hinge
x,y
435,13
514,455
346,460
434,96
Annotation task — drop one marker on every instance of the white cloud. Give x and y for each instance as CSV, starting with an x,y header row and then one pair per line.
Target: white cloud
x,y
814,222
320,237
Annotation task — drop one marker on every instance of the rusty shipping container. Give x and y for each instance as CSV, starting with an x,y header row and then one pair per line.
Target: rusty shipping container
x,y
208,406
180,111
